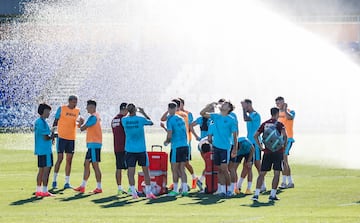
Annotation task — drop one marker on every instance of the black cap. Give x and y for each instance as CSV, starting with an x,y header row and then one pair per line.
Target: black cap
x,y
123,106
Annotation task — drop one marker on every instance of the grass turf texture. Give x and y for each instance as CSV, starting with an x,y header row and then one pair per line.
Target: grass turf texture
x,y
321,194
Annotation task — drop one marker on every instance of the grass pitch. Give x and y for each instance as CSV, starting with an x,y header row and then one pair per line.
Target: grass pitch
x,y
321,194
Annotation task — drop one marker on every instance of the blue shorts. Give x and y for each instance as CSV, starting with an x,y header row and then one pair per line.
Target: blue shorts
x,y
141,158
257,153
181,155
290,142
64,145
93,155
120,160
45,160
221,156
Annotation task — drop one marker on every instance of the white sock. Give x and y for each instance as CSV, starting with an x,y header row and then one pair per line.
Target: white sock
x,y
257,191
119,187
222,189
38,188
176,187
193,176
273,193
83,184
202,178
67,179
231,187
184,187
219,187
240,182
290,180
147,189
45,189
55,176
98,185
249,185
132,188
284,179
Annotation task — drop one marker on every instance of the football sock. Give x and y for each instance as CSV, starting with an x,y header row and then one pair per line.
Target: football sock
x,y
193,176
55,176
98,185
147,189
249,185
222,189
45,189
202,178
284,179
273,193
184,187
290,180
176,187
119,187
83,184
132,188
240,182
257,191
67,179
38,188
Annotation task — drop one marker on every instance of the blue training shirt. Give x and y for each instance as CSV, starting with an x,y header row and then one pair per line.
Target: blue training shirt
x,y
253,125
222,131
176,125
42,146
134,133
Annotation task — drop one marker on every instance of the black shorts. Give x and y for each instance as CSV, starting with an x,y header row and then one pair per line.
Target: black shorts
x,y
45,160
181,155
120,160
273,160
93,155
64,145
238,158
221,156
140,158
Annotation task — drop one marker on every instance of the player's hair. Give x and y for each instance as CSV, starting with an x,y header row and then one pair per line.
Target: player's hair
x,y
177,101
131,108
274,111
182,100
123,106
91,102
172,105
279,98
42,107
73,97
205,147
248,101
221,100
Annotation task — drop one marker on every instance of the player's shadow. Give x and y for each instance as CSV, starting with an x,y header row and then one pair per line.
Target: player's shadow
x,y
106,199
60,191
76,197
162,199
25,201
258,204
205,199
121,203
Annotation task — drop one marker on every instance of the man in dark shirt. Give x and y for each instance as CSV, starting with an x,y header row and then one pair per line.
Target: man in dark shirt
x,y
119,145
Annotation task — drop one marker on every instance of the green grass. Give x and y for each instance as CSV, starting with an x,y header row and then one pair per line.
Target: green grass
x,y
322,194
